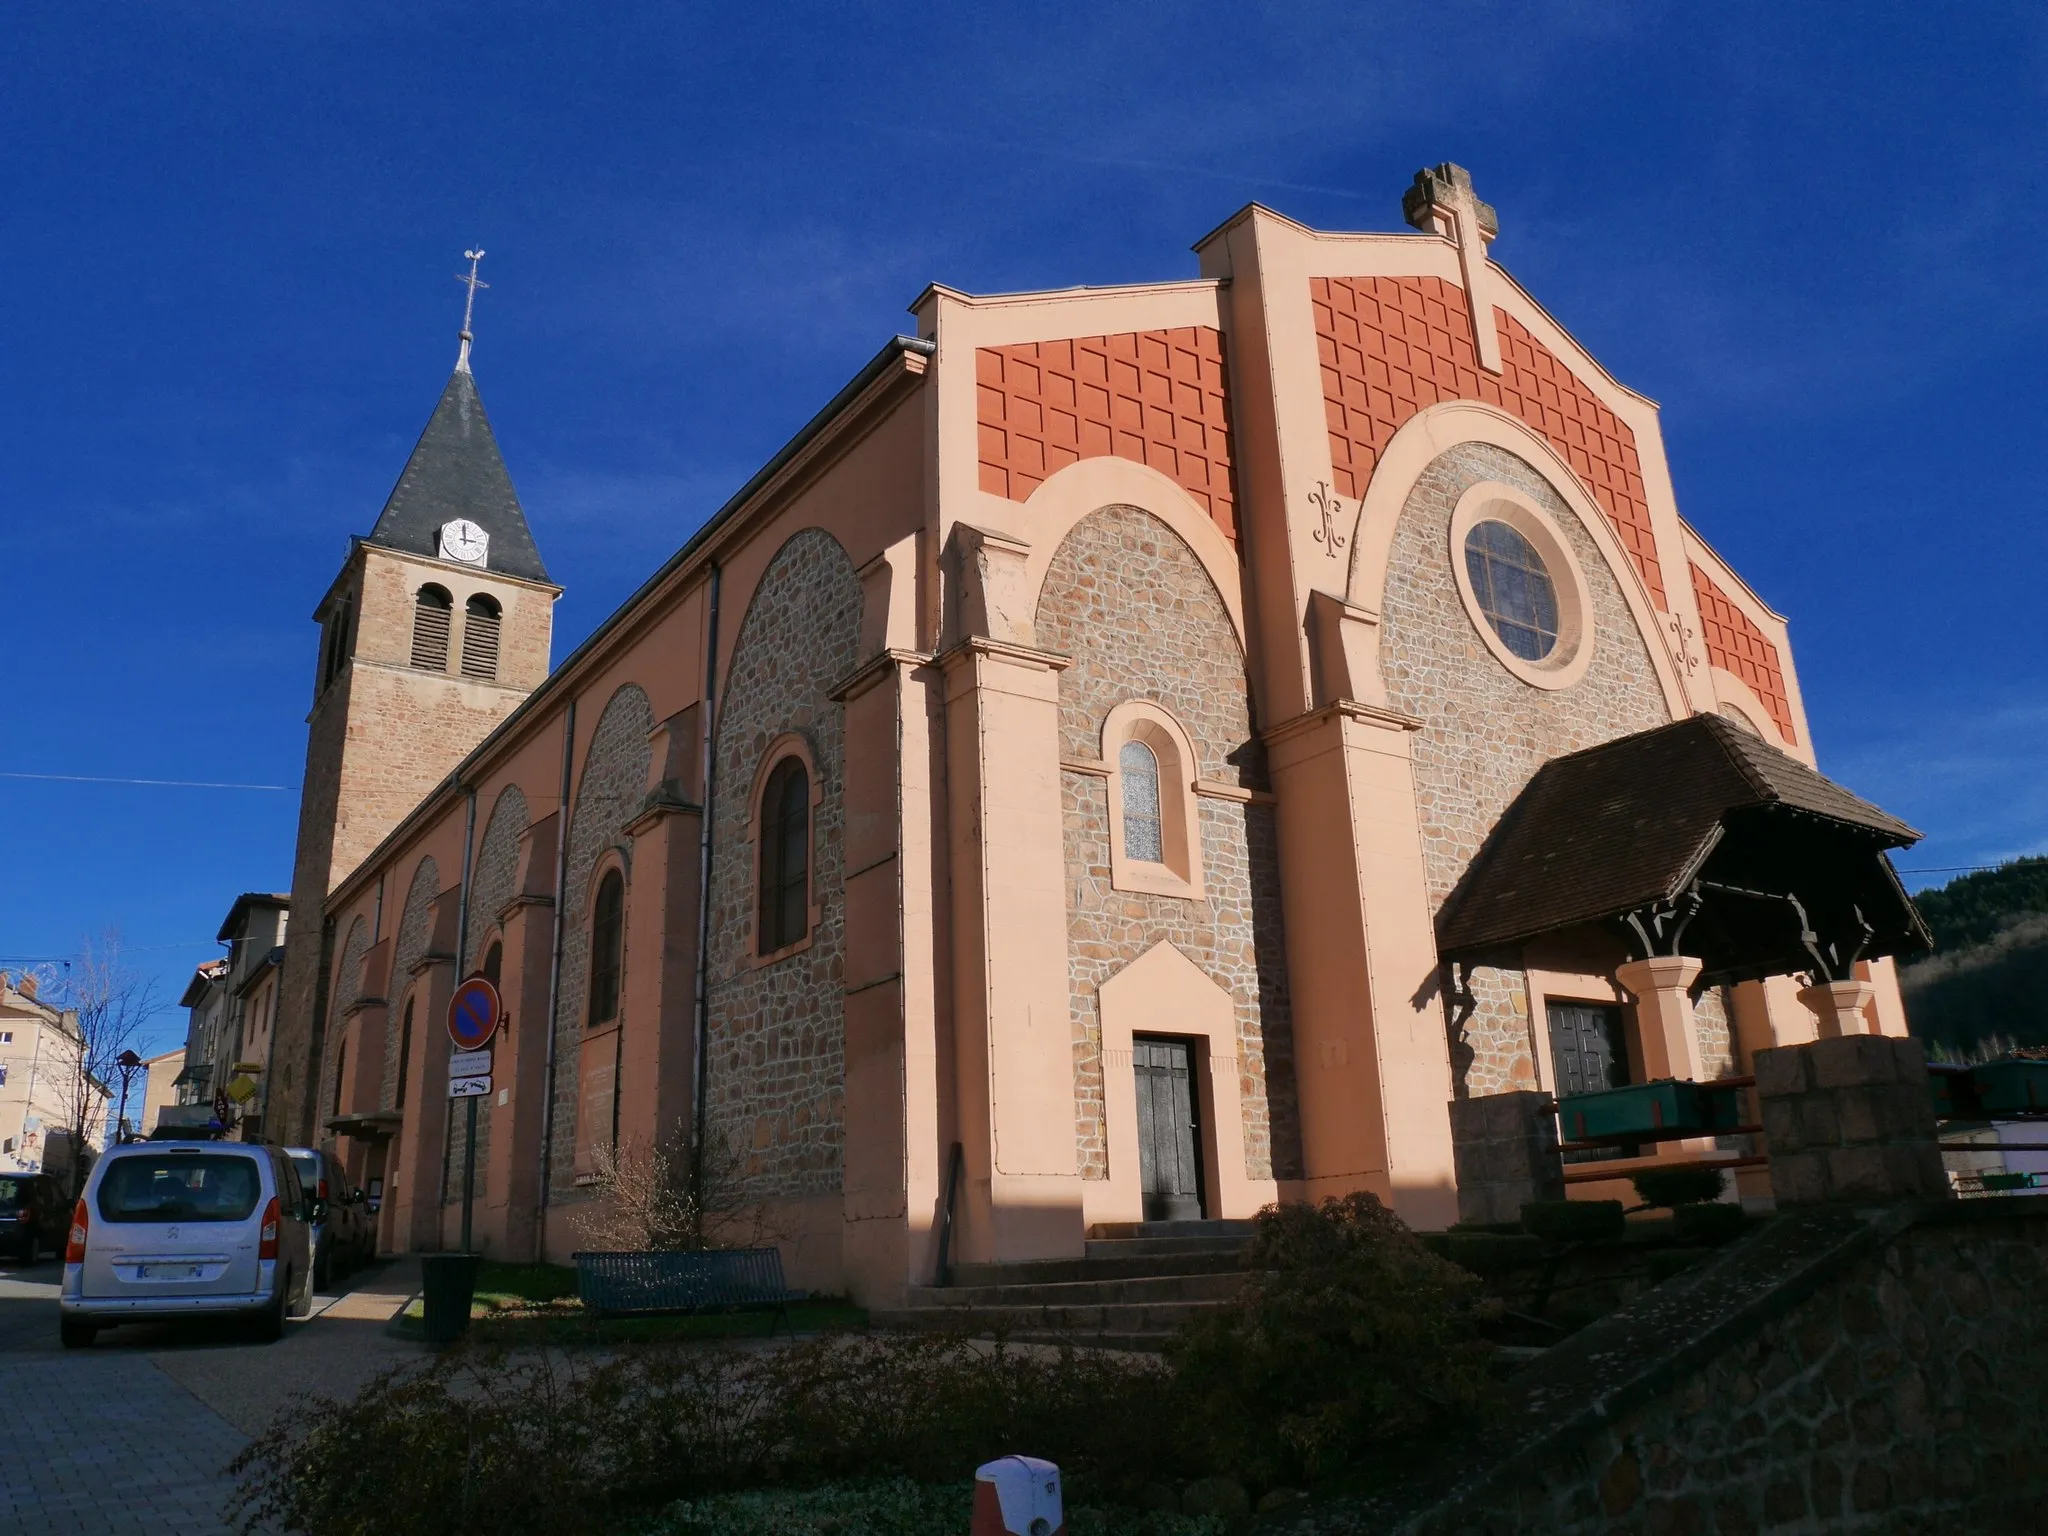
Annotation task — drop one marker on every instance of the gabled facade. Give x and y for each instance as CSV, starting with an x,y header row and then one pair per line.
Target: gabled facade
x,y
1028,804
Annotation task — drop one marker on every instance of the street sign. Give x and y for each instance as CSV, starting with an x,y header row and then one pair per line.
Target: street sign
x,y
469,1087
474,1013
470,1064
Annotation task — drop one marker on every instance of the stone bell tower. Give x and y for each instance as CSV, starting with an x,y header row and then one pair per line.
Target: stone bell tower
x,y
438,624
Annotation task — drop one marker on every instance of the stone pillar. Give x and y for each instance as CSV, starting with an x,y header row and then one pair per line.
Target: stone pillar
x,y
1506,1146
1371,1056
1012,1016
1839,1006
1850,1118
519,1054
1662,988
656,1094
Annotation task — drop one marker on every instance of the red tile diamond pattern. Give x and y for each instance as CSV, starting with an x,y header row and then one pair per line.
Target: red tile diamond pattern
x,y
1153,397
1735,644
1393,345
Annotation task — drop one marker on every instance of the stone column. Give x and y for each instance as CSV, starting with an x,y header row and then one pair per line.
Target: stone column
x,y
1012,1016
656,1094
1662,988
519,1054
1850,1118
1839,1006
1371,1056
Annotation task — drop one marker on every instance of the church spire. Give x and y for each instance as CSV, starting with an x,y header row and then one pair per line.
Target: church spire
x,y
468,307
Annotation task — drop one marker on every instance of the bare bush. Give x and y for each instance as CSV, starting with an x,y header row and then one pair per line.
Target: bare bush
x,y
646,1200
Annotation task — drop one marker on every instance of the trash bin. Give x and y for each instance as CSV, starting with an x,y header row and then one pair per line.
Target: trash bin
x,y
448,1285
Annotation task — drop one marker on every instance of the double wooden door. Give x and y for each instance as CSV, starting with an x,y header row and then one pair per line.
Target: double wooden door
x,y
1589,1053
1169,1129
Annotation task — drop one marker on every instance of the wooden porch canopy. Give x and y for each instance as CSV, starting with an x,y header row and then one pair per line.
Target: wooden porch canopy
x,y
1695,838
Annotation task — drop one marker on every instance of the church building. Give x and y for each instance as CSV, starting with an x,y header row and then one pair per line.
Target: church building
x,y
1136,754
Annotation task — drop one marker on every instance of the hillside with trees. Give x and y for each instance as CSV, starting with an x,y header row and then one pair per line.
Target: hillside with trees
x,y
1988,975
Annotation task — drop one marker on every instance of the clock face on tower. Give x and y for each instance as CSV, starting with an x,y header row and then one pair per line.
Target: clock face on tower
x,y
465,543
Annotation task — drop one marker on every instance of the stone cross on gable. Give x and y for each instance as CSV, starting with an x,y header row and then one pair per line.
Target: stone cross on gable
x,y
1442,202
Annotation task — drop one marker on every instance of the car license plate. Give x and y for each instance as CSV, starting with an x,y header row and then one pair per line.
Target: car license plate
x,y
167,1271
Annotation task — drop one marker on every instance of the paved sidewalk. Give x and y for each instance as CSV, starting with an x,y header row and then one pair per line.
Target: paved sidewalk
x,y
133,1437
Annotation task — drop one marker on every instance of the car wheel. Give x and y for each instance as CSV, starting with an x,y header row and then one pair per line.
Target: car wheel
x,y
32,1251
75,1332
302,1298
323,1266
270,1325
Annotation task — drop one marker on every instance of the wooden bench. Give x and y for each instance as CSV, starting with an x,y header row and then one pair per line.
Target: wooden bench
x,y
684,1281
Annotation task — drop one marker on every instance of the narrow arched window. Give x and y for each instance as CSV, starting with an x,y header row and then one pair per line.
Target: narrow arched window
x,y
607,948
494,961
431,612
340,1072
785,857
480,638
1139,771
404,1056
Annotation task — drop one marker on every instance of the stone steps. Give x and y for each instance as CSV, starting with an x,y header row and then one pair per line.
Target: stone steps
x,y
1218,1285
1134,1286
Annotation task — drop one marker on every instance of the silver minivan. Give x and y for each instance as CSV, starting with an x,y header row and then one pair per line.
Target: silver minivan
x,y
173,1230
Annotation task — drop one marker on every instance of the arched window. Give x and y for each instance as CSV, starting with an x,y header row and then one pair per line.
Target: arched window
x,y
431,612
494,961
1139,771
340,1073
607,948
1155,843
339,626
480,638
785,843
404,1056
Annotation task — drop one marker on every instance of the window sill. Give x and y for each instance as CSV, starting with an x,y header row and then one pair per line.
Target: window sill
x,y
775,956
1147,879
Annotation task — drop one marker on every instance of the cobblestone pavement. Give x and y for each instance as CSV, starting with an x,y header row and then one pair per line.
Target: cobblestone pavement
x,y
133,1436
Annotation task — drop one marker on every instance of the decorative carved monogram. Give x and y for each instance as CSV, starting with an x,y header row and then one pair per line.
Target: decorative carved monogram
x,y
1330,505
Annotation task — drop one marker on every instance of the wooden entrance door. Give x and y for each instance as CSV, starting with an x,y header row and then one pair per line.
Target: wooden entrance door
x,y
1589,1053
1169,1129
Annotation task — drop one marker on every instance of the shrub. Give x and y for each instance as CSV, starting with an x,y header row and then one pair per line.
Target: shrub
x,y
1491,1253
1679,1186
1574,1221
1352,1337
1709,1223
478,1445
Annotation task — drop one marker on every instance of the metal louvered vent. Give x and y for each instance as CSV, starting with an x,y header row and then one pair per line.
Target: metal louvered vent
x,y
480,640
430,630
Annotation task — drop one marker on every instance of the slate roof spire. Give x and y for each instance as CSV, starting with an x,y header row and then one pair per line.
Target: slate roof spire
x,y
456,471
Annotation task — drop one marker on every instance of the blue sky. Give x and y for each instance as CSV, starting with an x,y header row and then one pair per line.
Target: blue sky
x,y
229,234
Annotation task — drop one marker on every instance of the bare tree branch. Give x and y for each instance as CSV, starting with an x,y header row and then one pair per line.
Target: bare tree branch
x,y
107,1004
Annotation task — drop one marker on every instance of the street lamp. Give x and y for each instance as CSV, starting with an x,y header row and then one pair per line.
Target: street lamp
x,y
130,1064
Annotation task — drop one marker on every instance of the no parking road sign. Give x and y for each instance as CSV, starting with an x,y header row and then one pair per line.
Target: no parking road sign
x,y
474,1013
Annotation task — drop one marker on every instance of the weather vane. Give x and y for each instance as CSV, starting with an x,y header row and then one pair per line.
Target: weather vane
x,y
468,305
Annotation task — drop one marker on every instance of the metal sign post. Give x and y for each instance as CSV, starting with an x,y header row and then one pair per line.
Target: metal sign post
x,y
474,1014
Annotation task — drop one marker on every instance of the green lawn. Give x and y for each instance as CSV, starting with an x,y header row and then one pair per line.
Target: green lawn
x,y
536,1304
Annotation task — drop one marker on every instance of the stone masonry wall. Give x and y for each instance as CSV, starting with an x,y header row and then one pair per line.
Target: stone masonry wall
x,y
1134,608
348,981
415,933
1905,1397
1485,731
611,785
775,1078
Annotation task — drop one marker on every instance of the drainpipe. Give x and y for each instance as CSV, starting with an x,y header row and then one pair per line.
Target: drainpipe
x,y
547,1127
702,1020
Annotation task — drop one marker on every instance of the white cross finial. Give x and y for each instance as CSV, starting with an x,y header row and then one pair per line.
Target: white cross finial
x,y
473,282
1442,202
